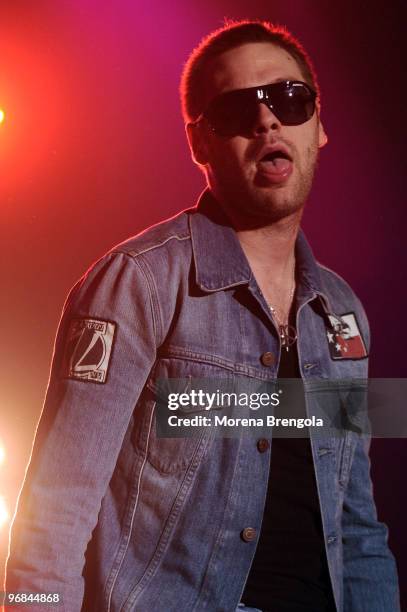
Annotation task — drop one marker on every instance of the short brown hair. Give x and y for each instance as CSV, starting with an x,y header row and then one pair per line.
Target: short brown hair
x,y
234,34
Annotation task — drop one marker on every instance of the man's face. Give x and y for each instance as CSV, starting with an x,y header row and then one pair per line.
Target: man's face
x,y
238,174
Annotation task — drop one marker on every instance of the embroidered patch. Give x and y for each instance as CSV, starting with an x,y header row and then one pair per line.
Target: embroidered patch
x,y
345,340
88,349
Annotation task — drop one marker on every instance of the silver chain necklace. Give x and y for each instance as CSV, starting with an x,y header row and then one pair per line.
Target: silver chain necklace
x,y
287,332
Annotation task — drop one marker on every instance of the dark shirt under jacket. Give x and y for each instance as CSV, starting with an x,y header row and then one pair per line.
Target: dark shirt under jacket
x,y
289,572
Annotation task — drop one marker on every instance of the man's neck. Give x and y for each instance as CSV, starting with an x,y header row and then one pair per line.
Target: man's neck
x,y
270,251
268,245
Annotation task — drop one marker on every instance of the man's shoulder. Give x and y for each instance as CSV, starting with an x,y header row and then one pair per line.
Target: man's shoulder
x,y
339,291
331,280
164,234
145,260
155,249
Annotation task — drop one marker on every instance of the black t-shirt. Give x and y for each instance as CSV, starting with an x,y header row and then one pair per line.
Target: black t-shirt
x,y
289,571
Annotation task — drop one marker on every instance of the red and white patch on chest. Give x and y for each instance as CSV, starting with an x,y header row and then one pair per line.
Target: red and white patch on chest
x,y
345,339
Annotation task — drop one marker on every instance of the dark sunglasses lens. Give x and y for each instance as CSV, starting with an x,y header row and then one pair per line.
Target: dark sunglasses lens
x,y
233,112
236,112
292,104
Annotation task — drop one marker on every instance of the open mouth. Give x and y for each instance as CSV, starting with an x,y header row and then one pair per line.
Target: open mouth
x,y
273,157
275,165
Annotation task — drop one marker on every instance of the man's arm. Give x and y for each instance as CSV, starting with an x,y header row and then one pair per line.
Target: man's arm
x,y
370,573
108,335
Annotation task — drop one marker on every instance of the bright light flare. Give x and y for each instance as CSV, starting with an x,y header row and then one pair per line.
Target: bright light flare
x,y
4,515
2,453
2,115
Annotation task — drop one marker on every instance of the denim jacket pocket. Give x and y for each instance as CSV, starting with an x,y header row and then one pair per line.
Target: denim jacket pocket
x,y
168,455
178,376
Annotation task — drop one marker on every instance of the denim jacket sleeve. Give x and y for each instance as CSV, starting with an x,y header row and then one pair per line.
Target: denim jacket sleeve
x,y
369,569
370,574
81,431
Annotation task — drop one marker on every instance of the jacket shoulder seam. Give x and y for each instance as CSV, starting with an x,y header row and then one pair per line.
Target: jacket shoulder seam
x,y
154,301
145,271
135,253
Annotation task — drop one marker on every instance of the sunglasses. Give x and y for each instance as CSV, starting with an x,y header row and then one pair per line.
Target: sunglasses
x,y
236,112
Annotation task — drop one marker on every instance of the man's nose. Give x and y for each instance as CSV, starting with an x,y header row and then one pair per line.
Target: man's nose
x,y
265,120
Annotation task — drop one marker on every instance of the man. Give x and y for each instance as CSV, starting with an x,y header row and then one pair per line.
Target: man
x,y
114,517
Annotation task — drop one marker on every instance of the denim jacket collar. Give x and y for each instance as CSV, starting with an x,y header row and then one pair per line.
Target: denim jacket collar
x,y
219,259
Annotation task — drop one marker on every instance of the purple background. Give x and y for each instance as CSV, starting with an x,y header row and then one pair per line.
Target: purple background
x,y
92,150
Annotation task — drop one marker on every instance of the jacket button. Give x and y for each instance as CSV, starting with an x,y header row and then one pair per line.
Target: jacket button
x,y
262,445
248,534
268,359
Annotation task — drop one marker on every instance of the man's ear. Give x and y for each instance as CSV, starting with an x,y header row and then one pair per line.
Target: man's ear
x,y
322,136
197,143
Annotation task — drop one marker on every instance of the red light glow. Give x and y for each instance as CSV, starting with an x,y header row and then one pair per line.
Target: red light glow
x,y
4,515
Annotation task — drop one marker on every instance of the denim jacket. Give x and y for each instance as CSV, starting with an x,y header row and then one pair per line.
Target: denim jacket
x,y
116,518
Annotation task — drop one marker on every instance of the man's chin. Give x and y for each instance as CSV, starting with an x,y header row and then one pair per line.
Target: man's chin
x,y
275,203
276,214
255,213
256,207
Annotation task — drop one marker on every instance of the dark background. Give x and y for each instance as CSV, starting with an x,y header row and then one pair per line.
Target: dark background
x,y
92,150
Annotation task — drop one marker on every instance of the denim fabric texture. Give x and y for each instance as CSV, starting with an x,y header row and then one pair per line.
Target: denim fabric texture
x,y
117,519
